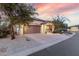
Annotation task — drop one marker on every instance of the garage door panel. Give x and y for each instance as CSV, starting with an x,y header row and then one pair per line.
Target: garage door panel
x,y
34,29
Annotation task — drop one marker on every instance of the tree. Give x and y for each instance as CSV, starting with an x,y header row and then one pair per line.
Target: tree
x,y
17,14
59,22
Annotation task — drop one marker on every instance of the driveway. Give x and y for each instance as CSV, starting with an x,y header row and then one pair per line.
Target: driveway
x,y
68,47
22,46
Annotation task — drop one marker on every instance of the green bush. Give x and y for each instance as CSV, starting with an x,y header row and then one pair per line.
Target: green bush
x,y
59,31
3,34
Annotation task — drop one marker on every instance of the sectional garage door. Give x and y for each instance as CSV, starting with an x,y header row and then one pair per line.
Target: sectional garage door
x,y
34,29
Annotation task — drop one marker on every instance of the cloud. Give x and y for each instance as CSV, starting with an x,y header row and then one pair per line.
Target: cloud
x,y
47,10
68,9
56,8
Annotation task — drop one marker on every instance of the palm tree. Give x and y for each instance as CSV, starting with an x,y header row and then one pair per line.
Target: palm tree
x,y
17,14
59,22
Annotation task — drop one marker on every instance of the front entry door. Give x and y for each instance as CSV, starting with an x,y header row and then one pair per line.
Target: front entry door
x,y
49,28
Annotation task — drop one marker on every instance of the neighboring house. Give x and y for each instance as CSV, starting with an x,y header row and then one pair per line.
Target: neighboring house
x,y
74,28
37,26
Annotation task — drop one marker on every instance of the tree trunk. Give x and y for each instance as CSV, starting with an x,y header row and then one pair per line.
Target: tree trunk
x,y
12,33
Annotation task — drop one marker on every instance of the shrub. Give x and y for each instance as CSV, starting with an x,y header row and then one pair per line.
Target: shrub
x,y
60,31
3,34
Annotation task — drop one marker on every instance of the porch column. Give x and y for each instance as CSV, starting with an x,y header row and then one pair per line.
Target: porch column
x,y
43,29
21,29
25,29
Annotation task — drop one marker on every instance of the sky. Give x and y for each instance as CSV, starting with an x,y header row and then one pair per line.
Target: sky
x,y
48,10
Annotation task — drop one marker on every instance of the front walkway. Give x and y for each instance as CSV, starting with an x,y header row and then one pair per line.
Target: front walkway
x,y
22,46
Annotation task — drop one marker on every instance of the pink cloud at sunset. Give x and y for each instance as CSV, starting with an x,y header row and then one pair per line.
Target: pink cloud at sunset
x,y
46,10
57,8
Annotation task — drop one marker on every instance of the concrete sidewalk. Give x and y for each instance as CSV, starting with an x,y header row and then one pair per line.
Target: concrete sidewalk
x,y
20,46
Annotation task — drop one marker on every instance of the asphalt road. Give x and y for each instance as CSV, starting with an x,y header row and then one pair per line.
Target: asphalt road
x,y
68,47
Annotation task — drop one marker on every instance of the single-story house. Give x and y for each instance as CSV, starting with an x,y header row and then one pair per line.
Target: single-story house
x,y
37,26
74,28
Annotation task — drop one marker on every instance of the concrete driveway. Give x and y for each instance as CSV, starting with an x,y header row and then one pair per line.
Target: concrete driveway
x,y
21,46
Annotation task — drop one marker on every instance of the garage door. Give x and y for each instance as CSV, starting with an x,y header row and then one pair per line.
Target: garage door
x,y
34,29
